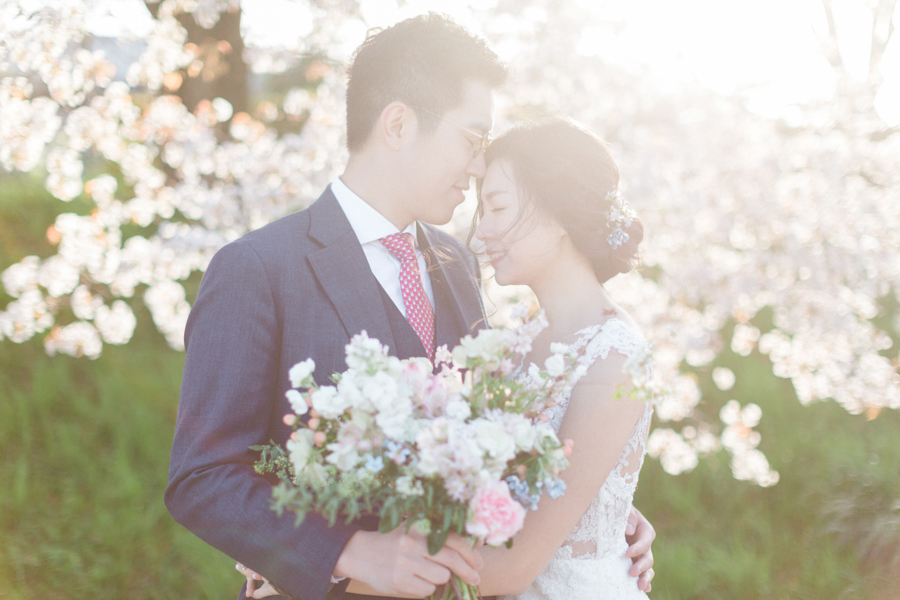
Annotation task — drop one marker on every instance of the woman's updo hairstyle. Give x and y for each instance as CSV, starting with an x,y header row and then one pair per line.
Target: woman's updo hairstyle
x,y
568,172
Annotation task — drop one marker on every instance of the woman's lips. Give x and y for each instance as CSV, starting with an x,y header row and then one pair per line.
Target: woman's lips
x,y
496,257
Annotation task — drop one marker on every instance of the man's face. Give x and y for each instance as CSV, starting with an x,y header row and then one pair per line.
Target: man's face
x,y
442,163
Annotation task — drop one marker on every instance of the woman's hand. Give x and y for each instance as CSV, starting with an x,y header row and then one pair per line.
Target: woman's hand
x,y
254,579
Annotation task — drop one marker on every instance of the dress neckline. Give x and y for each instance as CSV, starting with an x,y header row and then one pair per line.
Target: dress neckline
x,y
578,335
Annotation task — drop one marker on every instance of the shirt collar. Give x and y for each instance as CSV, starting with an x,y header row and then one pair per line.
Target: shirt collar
x,y
368,224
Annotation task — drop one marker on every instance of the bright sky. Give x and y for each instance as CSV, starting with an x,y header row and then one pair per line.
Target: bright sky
x,y
771,46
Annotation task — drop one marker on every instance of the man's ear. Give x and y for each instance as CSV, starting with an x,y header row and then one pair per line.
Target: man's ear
x,y
397,123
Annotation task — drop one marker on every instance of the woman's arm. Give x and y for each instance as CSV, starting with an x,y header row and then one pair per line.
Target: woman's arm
x,y
600,428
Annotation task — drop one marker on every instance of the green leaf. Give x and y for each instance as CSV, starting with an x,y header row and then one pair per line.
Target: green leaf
x,y
448,518
384,524
390,516
395,516
436,540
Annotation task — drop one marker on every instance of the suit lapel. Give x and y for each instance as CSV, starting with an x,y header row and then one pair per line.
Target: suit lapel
x,y
450,270
343,272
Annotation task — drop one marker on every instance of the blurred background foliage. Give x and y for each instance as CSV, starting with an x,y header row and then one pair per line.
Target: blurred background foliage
x,y
86,442
86,448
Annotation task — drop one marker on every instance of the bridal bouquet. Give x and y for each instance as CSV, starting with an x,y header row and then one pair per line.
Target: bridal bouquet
x,y
466,449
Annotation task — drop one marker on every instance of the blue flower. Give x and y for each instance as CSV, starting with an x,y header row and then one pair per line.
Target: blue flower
x,y
556,488
397,452
374,463
521,492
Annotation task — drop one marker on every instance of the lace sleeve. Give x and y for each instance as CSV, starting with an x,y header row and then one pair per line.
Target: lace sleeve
x,y
614,334
601,531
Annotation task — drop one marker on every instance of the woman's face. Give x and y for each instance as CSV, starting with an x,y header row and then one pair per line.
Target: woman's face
x,y
521,241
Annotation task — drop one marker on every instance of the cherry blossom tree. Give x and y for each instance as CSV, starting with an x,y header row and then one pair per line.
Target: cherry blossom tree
x,y
792,215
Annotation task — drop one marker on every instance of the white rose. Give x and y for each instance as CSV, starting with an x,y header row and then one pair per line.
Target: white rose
x,y
349,389
458,409
328,402
534,374
363,351
524,433
381,390
555,365
344,456
300,372
494,440
544,436
395,423
299,448
298,404
558,348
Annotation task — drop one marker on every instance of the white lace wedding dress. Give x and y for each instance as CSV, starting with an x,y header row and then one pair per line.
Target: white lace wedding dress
x,y
591,564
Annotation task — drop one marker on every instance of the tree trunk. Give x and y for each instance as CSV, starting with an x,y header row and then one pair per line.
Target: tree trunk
x,y
219,69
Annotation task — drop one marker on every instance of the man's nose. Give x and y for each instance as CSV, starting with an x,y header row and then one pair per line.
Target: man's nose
x,y
481,233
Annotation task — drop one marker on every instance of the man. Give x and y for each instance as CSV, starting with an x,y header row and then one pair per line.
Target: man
x,y
419,104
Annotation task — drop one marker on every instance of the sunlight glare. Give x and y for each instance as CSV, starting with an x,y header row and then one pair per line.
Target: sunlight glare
x,y
379,13
118,18
766,49
271,23
854,23
887,101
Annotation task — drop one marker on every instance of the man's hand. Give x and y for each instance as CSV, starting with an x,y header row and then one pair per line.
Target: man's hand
x,y
639,534
254,579
398,563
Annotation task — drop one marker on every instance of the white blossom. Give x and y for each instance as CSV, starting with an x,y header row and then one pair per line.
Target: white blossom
x,y
300,372
798,219
297,402
300,447
115,323
76,339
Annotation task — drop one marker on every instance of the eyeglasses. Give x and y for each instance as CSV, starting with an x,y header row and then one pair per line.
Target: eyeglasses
x,y
479,145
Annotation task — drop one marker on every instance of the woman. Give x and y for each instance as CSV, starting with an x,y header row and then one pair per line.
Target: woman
x,y
550,217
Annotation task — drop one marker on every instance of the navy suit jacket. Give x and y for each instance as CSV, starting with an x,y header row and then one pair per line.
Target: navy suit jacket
x,y
297,288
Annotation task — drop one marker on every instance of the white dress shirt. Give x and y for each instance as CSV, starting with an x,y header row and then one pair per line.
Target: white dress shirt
x,y
370,226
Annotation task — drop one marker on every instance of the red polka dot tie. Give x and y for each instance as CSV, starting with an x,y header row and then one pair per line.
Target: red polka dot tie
x,y
418,309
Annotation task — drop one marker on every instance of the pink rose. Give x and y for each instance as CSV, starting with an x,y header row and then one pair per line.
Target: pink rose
x,y
495,516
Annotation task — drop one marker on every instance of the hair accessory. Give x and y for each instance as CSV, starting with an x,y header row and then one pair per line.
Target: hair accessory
x,y
619,215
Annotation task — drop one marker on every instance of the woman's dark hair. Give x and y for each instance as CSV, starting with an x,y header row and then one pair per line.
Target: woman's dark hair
x,y
423,62
567,172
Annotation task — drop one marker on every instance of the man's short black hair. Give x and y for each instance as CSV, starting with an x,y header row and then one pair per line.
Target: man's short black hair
x,y
422,62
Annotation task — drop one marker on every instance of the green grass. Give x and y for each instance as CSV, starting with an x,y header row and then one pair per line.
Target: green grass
x,y
809,536
85,448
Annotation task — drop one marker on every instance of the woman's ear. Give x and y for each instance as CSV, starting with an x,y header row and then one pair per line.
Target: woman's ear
x,y
397,124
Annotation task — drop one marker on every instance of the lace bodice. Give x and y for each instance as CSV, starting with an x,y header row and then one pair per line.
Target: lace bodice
x,y
601,531
591,564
